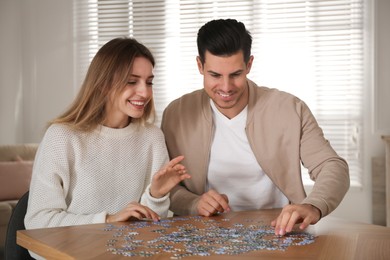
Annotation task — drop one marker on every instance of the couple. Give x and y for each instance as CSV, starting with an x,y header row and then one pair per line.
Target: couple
x,y
232,145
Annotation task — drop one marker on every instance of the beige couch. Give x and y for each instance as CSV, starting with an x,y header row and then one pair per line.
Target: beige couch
x,y
15,174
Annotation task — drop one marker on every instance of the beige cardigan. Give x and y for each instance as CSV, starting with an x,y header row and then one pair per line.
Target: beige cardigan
x,y
282,133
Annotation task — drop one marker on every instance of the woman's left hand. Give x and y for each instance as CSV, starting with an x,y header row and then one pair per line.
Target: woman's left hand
x,y
168,177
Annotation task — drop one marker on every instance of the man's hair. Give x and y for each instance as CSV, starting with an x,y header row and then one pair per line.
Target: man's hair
x,y
224,37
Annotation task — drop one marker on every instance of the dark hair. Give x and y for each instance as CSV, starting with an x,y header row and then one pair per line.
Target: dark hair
x,y
224,37
107,73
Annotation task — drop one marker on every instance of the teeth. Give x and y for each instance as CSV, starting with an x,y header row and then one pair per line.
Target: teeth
x,y
223,95
137,103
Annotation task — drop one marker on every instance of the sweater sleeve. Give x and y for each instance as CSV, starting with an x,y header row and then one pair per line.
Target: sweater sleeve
x,y
159,159
158,205
329,171
50,183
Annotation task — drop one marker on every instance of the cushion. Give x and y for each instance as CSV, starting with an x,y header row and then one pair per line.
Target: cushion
x,y
24,151
15,177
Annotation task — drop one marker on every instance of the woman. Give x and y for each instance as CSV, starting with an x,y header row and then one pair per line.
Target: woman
x,y
103,160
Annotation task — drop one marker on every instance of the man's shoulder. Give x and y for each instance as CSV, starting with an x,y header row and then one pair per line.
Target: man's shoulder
x,y
274,94
196,94
187,100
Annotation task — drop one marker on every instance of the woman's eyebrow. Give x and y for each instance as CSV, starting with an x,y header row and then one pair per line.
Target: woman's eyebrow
x,y
138,76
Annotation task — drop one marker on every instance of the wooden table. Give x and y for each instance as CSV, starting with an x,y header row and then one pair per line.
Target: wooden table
x,y
335,239
386,138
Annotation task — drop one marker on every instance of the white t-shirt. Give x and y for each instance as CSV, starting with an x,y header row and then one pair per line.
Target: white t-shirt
x,y
234,170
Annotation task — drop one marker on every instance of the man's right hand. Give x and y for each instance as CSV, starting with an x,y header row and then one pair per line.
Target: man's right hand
x,y
212,202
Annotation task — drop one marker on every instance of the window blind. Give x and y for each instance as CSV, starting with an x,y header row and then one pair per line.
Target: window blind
x,y
312,49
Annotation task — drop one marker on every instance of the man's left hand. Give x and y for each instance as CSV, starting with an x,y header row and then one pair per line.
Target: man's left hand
x,y
305,214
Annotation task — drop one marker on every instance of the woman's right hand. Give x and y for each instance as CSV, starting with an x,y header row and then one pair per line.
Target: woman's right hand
x,y
133,210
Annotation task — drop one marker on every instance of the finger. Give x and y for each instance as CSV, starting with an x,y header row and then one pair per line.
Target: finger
x,y
292,221
214,202
146,212
175,161
218,201
140,209
204,208
285,217
209,208
154,215
223,201
305,223
225,197
211,202
184,176
276,224
180,168
204,212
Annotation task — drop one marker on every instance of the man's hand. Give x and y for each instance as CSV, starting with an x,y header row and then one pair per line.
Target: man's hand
x,y
293,214
168,177
212,202
133,210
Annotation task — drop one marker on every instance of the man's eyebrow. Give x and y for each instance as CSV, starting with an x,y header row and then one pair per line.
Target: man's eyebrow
x,y
233,73
213,72
237,72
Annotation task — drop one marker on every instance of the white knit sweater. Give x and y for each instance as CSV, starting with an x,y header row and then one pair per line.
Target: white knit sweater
x,y
79,178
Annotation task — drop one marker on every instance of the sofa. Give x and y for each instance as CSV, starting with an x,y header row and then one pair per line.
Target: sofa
x,y
16,163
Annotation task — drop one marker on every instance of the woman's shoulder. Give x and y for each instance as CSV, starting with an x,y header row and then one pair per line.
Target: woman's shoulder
x,y
59,130
152,135
152,129
63,133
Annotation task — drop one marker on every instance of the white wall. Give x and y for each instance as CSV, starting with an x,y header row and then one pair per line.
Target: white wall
x,y
36,66
357,205
36,81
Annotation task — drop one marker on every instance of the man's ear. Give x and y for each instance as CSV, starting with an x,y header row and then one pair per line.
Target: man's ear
x,y
200,65
249,64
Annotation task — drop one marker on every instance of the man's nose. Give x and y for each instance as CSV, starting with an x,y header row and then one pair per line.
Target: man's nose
x,y
226,83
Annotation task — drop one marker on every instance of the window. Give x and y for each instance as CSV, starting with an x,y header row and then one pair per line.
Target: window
x,y
312,49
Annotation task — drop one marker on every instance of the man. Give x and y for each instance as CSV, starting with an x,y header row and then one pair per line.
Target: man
x,y
244,144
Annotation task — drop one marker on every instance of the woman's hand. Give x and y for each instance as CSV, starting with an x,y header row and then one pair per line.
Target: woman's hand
x,y
168,177
133,210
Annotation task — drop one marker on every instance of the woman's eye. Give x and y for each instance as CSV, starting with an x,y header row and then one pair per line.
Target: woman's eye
x,y
150,83
131,83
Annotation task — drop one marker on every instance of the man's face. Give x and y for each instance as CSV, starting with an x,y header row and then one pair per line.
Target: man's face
x,y
224,80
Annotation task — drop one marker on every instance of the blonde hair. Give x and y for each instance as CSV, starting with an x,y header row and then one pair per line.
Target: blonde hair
x,y
107,73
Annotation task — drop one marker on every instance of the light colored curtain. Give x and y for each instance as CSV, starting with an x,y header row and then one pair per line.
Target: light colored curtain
x,y
312,49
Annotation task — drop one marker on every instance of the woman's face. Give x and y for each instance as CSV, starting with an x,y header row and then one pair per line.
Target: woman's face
x,y
131,102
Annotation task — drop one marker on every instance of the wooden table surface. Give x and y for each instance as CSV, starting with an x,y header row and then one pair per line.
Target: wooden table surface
x,y
335,239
